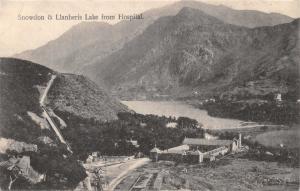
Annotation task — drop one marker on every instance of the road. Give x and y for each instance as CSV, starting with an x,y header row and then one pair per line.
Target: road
x,y
47,90
120,171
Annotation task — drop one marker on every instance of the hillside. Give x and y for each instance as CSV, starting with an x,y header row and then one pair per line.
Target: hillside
x,y
20,81
79,96
88,43
195,54
25,132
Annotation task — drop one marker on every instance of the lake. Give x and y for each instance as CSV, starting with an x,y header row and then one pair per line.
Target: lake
x,y
177,109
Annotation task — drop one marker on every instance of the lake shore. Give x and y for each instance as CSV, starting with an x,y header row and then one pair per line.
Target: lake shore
x,y
181,109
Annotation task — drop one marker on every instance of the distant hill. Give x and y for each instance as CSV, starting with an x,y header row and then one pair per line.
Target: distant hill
x,y
89,43
194,53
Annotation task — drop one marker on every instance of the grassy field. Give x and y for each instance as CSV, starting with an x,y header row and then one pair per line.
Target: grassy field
x,y
252,131
268,135
289,138
227,174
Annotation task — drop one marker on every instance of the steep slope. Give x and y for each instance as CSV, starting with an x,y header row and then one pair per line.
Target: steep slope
x,y
79,96
25,132
195,52
89,43
20,84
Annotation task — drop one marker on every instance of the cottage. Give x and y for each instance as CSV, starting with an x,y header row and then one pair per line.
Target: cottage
x,y
278,97
134,143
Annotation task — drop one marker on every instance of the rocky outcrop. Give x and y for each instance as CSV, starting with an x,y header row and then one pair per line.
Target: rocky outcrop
x,y
16,146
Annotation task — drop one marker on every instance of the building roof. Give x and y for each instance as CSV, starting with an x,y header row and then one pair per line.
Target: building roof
x,y
155,150
197,152
179,149
196,141
134,143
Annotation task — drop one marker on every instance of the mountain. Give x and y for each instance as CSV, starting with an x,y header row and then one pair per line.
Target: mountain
x,y
25,130
90,42
193,53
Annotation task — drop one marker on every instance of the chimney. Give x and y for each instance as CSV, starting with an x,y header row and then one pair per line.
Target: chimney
x,y
240,141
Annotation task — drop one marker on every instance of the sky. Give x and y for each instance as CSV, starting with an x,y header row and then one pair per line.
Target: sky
x,y
19,35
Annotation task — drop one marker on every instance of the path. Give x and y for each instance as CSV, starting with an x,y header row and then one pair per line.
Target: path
x,y
47,116
47,90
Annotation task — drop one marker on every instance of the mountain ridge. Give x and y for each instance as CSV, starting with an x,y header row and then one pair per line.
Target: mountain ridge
x,y
113,38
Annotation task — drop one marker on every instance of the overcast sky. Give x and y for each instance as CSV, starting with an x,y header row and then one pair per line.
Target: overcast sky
x,y
17,36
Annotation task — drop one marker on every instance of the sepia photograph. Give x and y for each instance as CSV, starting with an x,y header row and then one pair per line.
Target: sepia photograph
x,y
150,95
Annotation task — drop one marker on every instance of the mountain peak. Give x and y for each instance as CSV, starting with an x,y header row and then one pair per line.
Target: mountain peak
x,y
188,13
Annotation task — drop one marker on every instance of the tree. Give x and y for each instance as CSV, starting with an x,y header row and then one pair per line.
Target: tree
x,y
185,122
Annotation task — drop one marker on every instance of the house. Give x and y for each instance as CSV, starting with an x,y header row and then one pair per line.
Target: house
x,y
134,143
154,153
278,97
95,154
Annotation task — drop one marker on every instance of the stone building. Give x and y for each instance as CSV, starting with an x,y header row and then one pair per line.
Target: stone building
x,y
195,150
154,153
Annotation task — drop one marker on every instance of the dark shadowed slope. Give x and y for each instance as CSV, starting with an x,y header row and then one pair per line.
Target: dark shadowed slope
x,y
195,52
19,81
88,43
